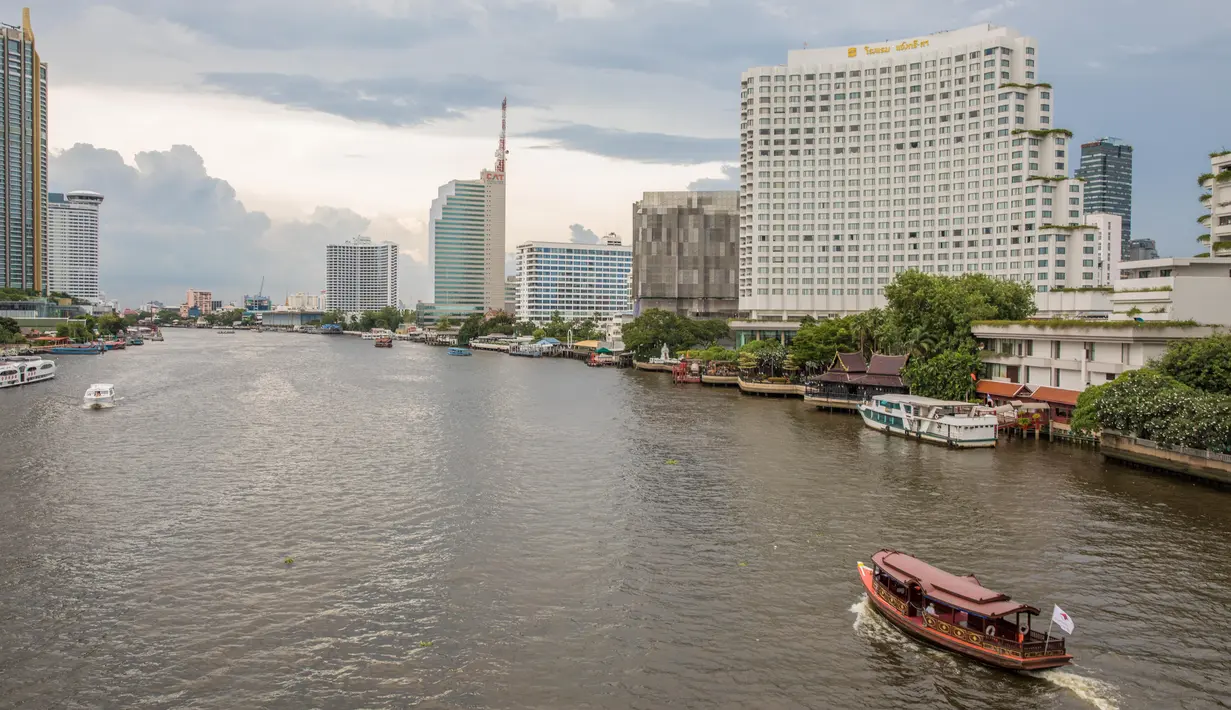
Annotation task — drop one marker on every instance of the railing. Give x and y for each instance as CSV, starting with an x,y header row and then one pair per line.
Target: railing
x,y
1148,444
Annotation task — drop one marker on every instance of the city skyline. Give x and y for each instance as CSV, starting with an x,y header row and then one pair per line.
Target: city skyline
x,y
230,113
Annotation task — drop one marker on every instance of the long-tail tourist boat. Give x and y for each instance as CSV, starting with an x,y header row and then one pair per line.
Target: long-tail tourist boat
x,y
83,349
958,614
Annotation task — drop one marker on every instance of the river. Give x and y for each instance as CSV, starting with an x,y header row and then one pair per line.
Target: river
x,y
498,532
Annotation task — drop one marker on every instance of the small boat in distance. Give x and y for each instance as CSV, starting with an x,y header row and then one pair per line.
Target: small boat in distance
x,y
156,337
226,331
136,340
459,351
384,342
958,614
84,349
954,424
100,396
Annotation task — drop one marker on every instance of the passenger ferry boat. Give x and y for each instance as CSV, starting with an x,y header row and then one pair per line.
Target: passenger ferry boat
x,y
952,424
25,369
958,614
459,351
100,396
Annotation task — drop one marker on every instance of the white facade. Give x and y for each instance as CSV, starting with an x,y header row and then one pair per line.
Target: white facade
x,y
1174,289
306,301
938,153
72,243
1108,247
577,280
1073,357
1218,221
361,275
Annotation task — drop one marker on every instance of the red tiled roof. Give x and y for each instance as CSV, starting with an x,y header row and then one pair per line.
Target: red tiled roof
x,y
999,389
887,364
1055,395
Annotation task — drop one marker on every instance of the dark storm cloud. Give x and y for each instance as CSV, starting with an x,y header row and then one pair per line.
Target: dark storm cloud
x,y
167,225
393,101
640,147
730,182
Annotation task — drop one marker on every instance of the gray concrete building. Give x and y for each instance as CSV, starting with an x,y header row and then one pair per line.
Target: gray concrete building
x,y
686,253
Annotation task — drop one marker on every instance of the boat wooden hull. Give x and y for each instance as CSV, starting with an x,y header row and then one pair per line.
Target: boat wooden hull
x,y
922,632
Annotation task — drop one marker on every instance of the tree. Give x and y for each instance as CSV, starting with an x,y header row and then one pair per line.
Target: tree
x,y
944,307
1203,364
819,341
1085,415
766,356
10,332
110,324
709,331
471,328
331,317
538,334
648,332
444,323
946,375
74,329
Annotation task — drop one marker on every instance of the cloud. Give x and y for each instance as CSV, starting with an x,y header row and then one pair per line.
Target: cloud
x,y
393,101
640,147
730,181
988,13
167,225
578,234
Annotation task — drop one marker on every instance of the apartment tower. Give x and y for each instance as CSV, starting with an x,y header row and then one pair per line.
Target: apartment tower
x,y
72,243
578,281
23,207
939,153
361,275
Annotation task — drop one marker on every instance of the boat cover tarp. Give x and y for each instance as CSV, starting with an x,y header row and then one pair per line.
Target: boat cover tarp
x,y
959,592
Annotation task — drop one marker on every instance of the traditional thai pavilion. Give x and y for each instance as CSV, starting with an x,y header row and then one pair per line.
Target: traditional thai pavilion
x,y
851,379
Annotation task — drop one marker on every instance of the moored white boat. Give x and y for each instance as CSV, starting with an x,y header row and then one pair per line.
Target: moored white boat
x,y
29,368
226,331
953,424
100,396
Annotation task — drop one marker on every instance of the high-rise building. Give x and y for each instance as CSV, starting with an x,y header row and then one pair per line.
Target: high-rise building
x,y
578,281
939,153
305,301
23,204
1107,168
466,241
1108,249
1141,250
511,284
197,303
686,253
72,243
361,275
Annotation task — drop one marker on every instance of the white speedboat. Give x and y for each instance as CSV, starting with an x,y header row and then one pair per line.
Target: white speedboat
x,y
226,331
100,396
953,424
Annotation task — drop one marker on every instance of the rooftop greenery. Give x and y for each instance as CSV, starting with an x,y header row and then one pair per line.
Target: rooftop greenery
x,y
1067,227
1144,290
1220,153
1080,289
1048,178
1203,177
1043,132
1015,85
1060,323
1202,255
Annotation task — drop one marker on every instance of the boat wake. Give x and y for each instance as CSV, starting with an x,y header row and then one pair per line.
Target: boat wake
x,y
869,624
1099,694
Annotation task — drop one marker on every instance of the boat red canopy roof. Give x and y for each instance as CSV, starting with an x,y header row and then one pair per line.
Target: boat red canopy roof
x,y
959,592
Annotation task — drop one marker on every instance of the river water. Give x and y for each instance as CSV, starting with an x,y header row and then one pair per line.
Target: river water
x,y
497,532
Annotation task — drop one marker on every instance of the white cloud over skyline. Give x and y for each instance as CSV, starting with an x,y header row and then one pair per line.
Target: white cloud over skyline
x,y
324,117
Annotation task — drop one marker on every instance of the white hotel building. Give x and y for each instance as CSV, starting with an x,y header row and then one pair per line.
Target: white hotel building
x,y
938,153
578,280
361,275
72,243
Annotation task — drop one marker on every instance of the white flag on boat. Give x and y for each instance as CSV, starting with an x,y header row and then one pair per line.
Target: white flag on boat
x,y
1062,619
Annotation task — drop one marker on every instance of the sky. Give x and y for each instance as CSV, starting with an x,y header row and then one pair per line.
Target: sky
x,y
233,139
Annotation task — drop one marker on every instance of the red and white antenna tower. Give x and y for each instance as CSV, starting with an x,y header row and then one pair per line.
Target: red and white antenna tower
x,y
501,152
